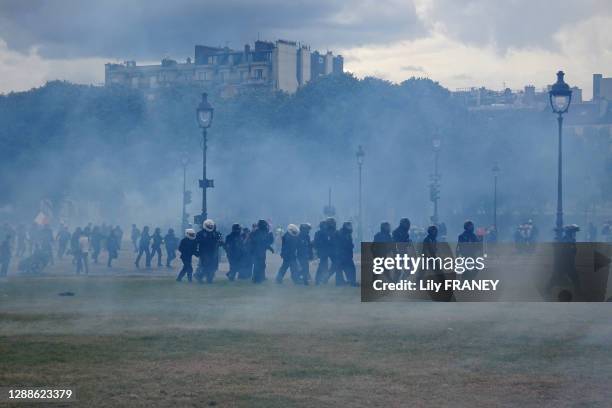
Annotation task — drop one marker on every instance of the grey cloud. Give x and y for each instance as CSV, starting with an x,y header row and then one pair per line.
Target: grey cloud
x,y
412,68
462,76
152,29
512,24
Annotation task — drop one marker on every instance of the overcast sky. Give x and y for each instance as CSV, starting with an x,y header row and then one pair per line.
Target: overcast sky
x,y
460,43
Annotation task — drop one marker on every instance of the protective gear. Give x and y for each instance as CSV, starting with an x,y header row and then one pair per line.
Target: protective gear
x,y
468,226
293,229
348,226
402,232
208,225
384,235
190,233
263,225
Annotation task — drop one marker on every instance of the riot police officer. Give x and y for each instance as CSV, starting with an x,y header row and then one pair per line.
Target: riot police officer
x,y
188,248
345,266
384,235
208,240
304,252
234,248
288,253
402,232
322,245
260,241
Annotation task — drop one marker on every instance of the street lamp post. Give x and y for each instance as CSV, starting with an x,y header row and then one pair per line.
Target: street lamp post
x,y
360,155
434,187
560,96
204,114
186,194
495,174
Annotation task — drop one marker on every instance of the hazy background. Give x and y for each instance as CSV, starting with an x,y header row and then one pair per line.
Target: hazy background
x,y
460,43
114,155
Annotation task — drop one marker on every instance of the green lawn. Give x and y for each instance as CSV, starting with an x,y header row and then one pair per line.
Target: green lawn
x,y
128,339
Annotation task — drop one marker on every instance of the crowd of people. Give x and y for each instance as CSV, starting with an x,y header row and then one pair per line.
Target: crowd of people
x,y
245,248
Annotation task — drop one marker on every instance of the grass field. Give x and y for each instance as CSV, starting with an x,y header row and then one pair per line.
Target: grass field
x,y
129,338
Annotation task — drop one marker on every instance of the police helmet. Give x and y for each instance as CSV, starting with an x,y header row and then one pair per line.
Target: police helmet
x,y
292,229
208,225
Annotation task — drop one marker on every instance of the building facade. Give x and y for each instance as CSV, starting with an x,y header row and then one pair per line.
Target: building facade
x,y
281,65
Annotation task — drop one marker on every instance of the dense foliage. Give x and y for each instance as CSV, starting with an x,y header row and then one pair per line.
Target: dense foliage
x,y
103,144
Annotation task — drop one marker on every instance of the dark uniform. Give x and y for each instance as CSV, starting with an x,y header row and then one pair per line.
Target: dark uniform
x,y
402,232
234,248
304,252
171,242
188,248
246,266
289,255
208,251
468,246
143,248
384,235
324,245
260,241
345,266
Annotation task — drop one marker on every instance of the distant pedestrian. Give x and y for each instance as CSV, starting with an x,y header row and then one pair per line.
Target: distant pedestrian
x,y
156,244
112,246
143,248
135,237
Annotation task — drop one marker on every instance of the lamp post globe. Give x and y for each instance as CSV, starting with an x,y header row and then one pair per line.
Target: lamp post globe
x,y
204,112
360,155
436,143
560,95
